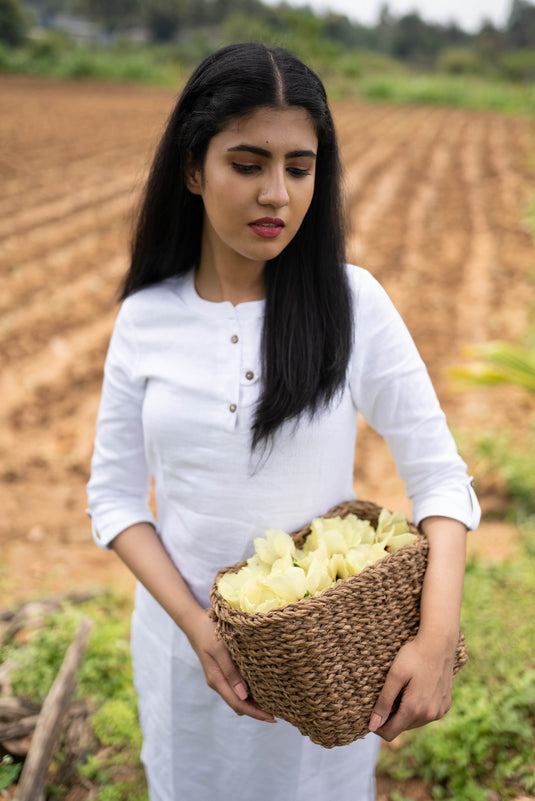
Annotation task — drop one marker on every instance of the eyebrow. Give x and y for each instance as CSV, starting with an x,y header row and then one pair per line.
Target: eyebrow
x,y
259,151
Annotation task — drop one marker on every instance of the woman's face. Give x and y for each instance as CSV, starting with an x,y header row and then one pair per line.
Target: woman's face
x,y
256,184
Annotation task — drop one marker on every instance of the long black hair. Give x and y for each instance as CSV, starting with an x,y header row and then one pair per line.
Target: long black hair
x,y
307,331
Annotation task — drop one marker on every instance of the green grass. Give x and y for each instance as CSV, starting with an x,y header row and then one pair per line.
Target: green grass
x,y
126,65
459,91
485,742
104,680
507,468
360,73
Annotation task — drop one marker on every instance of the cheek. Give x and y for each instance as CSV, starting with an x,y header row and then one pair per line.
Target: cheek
x,y
306,200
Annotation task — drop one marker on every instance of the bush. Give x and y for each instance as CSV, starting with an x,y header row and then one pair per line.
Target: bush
x,y
459,61
518,65
110,769
453,90
50,46
483,748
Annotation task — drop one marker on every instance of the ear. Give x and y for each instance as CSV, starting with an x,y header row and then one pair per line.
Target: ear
x,y
193,177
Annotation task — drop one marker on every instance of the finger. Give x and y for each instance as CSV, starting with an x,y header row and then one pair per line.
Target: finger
x,y
232,674
220,678
411,714
388,701
398,720
248,707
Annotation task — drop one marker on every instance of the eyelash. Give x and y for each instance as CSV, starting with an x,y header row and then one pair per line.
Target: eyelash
x,y
251,169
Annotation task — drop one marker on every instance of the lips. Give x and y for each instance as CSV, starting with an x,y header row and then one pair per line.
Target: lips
x,y
267,227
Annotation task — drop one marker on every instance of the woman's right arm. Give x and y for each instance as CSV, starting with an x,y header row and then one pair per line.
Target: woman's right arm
x,y
118,494
141,550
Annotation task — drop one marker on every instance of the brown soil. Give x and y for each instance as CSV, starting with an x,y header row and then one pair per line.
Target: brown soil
x,y
436,199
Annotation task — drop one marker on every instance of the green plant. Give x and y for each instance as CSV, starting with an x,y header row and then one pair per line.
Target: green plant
x,y
9,772
497,458
104,680
500,363
485,742
105,671
459,61
115,723
453,90
518,65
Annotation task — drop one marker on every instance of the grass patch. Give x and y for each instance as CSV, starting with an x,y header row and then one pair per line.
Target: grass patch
x,y
460,91
123,65
358,72
485,743
112,765
503,469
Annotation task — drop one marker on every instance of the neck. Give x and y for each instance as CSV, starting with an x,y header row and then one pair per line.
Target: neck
x,y
236,280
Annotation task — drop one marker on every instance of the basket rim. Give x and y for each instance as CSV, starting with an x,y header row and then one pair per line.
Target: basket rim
x,y
315,602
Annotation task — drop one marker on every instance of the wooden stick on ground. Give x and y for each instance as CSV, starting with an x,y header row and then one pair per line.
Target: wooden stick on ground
x,y
32,781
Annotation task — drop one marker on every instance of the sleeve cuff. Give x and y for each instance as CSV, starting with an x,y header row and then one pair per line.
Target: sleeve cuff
x,y
104,535
458,503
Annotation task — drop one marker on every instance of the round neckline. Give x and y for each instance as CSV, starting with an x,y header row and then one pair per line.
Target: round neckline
x,y
224,308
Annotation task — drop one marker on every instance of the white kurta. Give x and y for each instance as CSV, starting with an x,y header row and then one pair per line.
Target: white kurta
x,y
181,380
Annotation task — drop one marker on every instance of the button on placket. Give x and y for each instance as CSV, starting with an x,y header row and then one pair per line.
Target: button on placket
x,y
249,375
234,363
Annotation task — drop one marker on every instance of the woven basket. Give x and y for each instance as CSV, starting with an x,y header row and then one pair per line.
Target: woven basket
x,y
321,663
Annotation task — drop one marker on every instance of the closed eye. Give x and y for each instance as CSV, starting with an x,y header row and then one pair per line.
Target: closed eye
x,y
245,169
298,172
252,169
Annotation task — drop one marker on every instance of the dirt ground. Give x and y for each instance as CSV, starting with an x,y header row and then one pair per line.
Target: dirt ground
x,y
436,199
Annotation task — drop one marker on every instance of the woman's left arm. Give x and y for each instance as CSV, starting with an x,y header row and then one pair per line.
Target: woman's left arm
x,y
421,675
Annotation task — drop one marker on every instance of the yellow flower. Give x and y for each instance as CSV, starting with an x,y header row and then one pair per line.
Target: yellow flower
x,y
278,573
318,575
399,540
338,567
289,585
274,545
257,597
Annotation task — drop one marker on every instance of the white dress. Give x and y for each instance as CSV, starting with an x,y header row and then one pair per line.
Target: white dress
x,y
181,380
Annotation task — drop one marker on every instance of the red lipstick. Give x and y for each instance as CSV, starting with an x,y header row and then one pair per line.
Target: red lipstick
x,y
267,227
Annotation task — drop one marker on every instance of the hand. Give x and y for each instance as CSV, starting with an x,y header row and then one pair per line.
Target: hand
x,y
220,671
417,688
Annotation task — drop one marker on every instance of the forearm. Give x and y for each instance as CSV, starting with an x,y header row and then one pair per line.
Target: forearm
x,y
140,548
443,583
422,672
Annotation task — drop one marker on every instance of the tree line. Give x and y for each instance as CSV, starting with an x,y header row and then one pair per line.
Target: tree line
x,y
408,37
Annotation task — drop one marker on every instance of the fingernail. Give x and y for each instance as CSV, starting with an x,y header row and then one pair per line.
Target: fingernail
x,y
375,721
241,691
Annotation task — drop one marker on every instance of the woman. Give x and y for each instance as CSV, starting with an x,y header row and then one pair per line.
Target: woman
x,y
241,354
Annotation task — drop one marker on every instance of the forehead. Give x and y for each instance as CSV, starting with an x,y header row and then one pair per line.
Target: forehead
x,y
272,128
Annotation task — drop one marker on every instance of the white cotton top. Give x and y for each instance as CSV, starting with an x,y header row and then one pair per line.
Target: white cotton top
x,y
181,380
182,377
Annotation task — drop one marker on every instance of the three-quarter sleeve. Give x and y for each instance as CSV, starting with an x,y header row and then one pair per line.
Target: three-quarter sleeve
x,y
392,389
118,490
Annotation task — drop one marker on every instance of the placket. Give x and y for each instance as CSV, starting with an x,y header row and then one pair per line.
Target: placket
x,y
234,345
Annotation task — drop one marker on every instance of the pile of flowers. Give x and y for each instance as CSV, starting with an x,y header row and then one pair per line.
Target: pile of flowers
x,y
279,573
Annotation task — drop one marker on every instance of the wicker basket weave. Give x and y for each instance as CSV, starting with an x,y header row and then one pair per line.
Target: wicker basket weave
x,y
321,663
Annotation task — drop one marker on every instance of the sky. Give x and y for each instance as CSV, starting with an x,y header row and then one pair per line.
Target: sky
x,y
468,14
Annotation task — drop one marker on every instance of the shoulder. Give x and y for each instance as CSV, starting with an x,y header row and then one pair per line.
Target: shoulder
x,y
367,293
144,319
155,298
152,310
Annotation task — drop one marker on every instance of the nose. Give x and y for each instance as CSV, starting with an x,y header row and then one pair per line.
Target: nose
x,y
273,191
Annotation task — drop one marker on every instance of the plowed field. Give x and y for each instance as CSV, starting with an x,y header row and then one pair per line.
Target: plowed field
x,y
436,197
